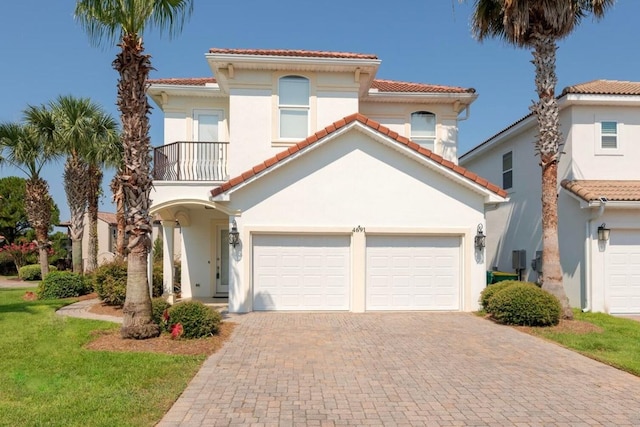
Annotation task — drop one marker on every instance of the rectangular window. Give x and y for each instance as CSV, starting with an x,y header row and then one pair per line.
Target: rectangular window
x,y
423,129
609,135
507,170
293,103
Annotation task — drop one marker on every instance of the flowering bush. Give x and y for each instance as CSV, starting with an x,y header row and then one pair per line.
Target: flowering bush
x,y
196,320
19,252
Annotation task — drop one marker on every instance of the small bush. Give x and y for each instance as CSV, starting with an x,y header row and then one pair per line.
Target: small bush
x,y
110,282
157,280
525,304
158,307
197,319
490,290
62,284
33,272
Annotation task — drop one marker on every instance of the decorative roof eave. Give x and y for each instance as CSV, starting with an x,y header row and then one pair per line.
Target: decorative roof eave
x,y
612,193
492,193
420,97
160,92
223,65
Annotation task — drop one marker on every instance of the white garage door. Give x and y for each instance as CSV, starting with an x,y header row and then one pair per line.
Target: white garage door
x,y
623,271
301,272
413,273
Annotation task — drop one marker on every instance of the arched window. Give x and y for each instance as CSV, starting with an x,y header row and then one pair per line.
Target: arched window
x,y
423,129
293,104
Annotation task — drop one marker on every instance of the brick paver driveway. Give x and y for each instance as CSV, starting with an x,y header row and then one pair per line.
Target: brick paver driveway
x,y
400,369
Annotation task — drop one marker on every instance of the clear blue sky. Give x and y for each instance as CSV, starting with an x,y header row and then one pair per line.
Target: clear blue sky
x,y
45,53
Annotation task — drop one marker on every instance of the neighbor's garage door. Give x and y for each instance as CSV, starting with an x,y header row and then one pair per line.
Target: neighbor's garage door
x,y
413,273
301,272
622,271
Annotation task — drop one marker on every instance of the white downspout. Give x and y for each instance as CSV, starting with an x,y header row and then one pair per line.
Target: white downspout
x,y
587,251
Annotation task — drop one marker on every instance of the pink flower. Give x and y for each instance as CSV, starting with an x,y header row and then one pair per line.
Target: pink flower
x,y
176,331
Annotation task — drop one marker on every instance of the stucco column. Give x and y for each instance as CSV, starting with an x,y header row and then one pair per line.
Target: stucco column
x,y
168,228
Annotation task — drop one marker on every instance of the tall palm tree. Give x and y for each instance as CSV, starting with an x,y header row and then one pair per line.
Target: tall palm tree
x,y
29,149
124,21
118,198
538,25
104,152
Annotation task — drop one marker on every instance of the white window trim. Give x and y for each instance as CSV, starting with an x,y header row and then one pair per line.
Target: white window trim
x,y
277,141
221,123
417,140
598,150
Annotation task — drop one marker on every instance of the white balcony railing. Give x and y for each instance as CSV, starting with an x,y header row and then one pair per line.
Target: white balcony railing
x,y
190,161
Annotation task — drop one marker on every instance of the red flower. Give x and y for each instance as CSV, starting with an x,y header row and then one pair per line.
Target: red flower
x,y
176,331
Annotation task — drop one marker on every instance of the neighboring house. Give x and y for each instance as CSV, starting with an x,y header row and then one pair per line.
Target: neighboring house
x,y
343,190
599,190
107,228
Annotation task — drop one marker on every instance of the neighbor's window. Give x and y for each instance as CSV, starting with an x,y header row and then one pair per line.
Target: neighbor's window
x,y
609,135
293,104
507,170
423,129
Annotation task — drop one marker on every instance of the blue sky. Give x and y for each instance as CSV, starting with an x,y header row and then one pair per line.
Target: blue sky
x,y
46,53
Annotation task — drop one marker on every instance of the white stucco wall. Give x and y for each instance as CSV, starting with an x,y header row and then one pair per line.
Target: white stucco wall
x,y
353,181
517,224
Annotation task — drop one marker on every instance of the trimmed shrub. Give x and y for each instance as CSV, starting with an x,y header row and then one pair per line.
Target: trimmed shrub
x,y
158,307
197,319
32,272
110,282
490,290
62,284
525,304
157,280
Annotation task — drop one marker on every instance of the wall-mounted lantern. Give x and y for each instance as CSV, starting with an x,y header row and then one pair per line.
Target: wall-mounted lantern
x,y
234,235
603,233
480,239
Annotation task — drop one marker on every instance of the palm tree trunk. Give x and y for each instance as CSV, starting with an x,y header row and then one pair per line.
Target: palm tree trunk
x,y
75,187
118,198
38,205
548,147
93,196
134,66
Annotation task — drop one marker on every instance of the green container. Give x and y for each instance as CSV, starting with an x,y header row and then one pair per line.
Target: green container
x,y
499,276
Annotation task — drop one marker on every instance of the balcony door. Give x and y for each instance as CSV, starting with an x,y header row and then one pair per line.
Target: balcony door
x,y
208,156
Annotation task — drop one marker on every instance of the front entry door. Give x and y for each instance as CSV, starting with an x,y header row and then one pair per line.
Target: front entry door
x,y
222,268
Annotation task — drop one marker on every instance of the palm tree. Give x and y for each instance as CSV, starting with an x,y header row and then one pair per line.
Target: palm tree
x,y
118,198
104,152
29,149
538,25
124,21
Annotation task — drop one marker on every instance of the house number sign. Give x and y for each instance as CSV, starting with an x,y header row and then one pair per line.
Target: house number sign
x,y
358,229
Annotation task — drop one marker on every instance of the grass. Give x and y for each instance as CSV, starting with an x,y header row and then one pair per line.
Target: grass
x,y
48,378
617,345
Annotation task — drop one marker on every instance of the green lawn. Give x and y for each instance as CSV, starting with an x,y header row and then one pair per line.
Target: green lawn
x,y
49,379
617,345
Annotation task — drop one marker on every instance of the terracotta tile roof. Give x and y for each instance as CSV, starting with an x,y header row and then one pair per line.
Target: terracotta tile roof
x,y
604,87
396,86
293,52
465,173
612,190
194,81
109,218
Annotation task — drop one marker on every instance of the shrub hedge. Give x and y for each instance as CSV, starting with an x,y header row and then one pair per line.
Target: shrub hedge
x,y
525,304
63,284
110,282
158,306
490,290
32,272
197,319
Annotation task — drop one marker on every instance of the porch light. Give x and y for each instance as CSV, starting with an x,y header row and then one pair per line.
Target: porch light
x,y
234,236
603,233
480,239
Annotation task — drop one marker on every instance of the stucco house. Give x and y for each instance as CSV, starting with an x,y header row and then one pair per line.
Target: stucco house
x,y
302,182
598,195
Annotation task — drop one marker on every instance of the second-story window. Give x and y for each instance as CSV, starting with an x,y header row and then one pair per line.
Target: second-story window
x,y
609,135
507,170
293,105
423,129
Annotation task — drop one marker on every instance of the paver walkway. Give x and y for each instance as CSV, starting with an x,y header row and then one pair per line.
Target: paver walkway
x,y
399,369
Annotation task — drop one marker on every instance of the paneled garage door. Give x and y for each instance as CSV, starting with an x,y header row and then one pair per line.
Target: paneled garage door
x,y
622,271
301,272
413,273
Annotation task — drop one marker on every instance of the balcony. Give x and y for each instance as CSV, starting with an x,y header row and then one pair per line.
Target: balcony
x,y
191,161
